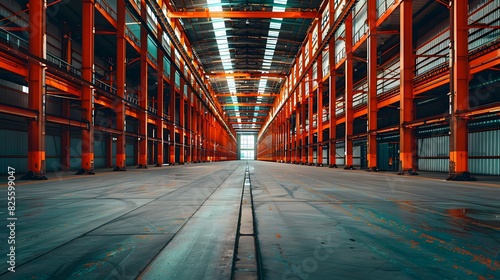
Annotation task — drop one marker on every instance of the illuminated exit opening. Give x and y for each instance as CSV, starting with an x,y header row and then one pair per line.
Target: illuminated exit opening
x,y
247,147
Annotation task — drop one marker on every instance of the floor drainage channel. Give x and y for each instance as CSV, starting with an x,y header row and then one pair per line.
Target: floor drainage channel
x,y
246,260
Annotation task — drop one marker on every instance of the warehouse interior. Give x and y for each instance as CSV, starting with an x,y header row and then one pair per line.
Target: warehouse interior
x,y
388,91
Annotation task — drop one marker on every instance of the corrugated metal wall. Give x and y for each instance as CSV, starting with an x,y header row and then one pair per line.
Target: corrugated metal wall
x,y
489,15
14,153
99,154
359,22
52,153
75,162
434,42
482,144
130,151
340,153
429,149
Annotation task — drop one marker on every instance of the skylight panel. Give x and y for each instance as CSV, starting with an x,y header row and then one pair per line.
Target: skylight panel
x,y
274,33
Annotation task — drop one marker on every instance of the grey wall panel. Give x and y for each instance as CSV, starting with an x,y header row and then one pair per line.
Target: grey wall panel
x,y
113,152
435,146
20,164
340,153
75,152
441,165
489,166
130,148
484,143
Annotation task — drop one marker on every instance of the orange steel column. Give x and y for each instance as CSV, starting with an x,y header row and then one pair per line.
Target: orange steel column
x,y
459,88
310,148
143,94
372,84
88,91
36,101
332,107
161,104
303,150
319,114
120,87
182,120
289,131
407,64
348,92
190,127
171,110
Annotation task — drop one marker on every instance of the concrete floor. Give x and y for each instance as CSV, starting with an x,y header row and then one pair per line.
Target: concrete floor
x,y
181,222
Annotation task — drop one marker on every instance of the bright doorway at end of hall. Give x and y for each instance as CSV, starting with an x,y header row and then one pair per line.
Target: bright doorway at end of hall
x,y
247,147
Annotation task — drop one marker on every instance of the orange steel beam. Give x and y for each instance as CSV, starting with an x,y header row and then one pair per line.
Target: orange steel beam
x,y
54,82
242,14
407,137
36,84
372,85
247,75
13,65
246,105
459,87
18,111
245,95
233,122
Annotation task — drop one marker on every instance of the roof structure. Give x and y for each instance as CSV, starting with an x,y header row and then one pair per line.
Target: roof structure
x,y
246,49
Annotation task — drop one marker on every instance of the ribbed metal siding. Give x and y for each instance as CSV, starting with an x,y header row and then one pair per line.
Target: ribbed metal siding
x,y
435,42
489,15
388,77
113,151
99,154
52,153
356,154
76,153
383,5
484,144
130,151
439,165
359,23
340,156
14,153
434,147
12,94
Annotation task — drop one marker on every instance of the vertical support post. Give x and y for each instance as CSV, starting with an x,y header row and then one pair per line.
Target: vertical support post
x,y
332,101
372,85
172,112
87,97
310,103
348,92
407,64
303,150
182,120
36,83
143,98
459,89
120,87
319,110
161,104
